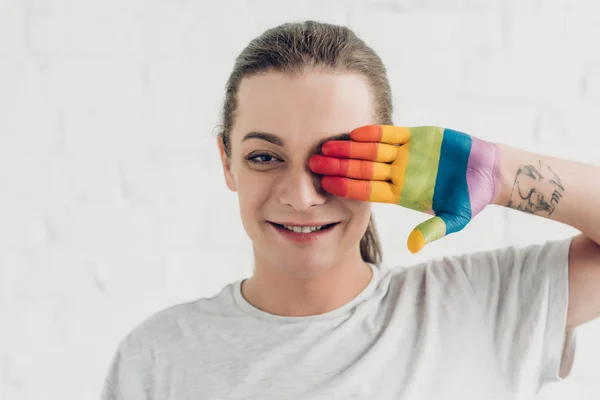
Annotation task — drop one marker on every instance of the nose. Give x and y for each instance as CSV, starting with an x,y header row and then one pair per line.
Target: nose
x,y
300,188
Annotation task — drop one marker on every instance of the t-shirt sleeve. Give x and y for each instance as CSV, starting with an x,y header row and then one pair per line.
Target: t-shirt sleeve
x,y
129,375
523,294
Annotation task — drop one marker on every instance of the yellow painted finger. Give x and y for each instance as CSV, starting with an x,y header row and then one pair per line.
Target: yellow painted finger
x,y
381,133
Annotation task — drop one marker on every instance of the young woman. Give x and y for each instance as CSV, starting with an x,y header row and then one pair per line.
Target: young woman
x,y
308,143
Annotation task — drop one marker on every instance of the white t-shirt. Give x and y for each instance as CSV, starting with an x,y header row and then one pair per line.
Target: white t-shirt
x,y
488,325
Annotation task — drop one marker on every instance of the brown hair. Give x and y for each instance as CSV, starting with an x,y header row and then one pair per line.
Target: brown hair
x,y
305,46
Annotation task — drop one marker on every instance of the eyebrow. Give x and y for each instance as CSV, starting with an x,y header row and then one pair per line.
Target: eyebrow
x,y
269,137
272,138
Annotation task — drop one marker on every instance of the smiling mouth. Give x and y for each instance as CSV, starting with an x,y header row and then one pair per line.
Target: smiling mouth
x,y
305,229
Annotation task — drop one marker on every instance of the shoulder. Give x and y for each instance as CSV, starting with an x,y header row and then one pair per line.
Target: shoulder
x,y
435,269
505,255
452,268
481,270
165,327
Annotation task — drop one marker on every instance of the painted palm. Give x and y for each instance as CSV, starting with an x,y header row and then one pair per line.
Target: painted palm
x,y
442,172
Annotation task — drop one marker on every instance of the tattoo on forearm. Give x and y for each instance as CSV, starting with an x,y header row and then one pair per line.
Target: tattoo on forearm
x,y
536,190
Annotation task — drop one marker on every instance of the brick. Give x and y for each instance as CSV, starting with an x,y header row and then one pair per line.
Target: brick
x,y
161,31
496,121
519,78
424,52
29,122
537,34
85,6
111,236
106,133
95,83
550,125
132,138
206,27
21,208
541,59
591,82
581,29
169,180
6,4
333,11
223,224
570,132
185,106
75,33
435,5
85,180
13,45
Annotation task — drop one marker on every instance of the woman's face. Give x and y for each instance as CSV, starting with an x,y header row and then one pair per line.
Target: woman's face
x,y
281,121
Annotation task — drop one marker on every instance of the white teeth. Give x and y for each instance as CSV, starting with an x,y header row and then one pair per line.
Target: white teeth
x,y
302,229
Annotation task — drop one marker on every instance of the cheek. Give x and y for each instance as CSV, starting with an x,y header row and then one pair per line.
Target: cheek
x,y
364,216
360,210
253,189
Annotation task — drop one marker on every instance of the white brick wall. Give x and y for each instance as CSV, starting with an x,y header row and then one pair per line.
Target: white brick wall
x,y
107,146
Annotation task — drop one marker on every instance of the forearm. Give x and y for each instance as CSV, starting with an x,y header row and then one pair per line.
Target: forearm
x,y
561,190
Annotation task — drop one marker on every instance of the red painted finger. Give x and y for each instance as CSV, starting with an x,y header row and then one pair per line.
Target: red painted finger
x,y
344,187
375,191
357,169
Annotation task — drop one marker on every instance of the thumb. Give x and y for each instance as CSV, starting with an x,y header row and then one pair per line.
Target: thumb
x,y
432,230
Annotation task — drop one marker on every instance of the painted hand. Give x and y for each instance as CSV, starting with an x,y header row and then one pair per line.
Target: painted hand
x,y
442,172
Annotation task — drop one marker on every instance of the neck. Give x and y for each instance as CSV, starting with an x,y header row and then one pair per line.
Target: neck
x,y
276,290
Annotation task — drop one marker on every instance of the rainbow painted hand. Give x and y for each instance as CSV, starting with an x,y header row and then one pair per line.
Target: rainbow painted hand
x,y
442,172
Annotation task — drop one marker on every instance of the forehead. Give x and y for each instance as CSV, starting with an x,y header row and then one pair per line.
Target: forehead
x,y
305,106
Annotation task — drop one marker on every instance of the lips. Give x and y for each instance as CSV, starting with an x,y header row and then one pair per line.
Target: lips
x,y
303,224
304,227
308,234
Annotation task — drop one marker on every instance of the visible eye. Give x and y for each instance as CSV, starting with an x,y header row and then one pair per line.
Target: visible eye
x,y
262,159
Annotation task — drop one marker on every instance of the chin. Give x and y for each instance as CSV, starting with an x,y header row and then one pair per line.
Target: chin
x,y
304,266
301,263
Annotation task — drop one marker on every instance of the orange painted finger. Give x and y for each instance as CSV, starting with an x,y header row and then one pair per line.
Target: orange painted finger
x,y
357,169
374,191
361,151
381,133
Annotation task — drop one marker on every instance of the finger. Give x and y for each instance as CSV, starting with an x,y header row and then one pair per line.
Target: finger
x,y
425,233
357,169
362,151
381,133
435,228
375,191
